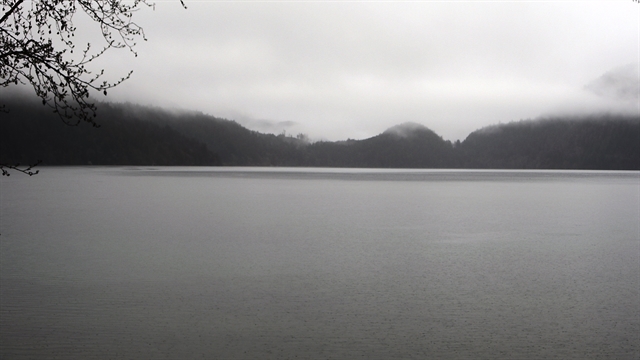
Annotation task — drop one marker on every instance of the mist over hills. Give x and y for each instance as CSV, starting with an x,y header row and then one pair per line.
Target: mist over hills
x,y
621,83
606,142
31,133
139,135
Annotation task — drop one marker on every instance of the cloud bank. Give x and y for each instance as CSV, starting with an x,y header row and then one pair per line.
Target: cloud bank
x,y
338,70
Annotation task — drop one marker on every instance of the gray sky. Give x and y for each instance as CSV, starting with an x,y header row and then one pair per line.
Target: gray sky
x,y
337,70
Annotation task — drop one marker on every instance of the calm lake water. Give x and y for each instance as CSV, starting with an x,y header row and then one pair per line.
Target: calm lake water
x,y
269,263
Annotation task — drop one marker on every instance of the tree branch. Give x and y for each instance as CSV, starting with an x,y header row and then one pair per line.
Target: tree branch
x,y
13,8
28,170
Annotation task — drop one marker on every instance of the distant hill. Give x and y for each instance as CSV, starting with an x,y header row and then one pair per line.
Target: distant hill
x,y
403,146
620,84
31,132
138,135
605,142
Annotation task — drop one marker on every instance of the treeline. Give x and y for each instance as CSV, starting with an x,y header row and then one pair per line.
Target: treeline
x,y
137,135
605,142
31,133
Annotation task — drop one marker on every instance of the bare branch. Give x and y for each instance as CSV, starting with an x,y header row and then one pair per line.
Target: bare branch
x,y
37,47
13,8
28,54
26,170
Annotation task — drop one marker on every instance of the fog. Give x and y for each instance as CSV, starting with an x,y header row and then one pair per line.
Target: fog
x,y
338,70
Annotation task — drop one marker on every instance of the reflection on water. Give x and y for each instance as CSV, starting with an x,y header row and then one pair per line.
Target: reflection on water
x,y
169,263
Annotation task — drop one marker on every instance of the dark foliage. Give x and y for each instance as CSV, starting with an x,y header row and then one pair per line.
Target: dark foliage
x,y
37,43
136,135
605,142
31,133
420,148
234,144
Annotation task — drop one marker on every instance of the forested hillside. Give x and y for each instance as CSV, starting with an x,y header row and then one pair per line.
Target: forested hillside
x,y
31,133
403,146
604,142
138,135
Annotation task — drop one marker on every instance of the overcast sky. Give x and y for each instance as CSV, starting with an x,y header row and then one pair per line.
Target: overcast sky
x,y
350,69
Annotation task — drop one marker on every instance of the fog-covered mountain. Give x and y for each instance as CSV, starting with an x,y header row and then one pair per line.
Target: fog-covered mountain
x,y
622,83
604,142
138,135
31,133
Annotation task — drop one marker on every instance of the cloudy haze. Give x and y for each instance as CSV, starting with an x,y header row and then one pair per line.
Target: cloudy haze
x,y
337,70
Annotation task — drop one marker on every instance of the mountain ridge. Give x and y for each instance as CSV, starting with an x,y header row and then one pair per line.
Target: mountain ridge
x,y
138,135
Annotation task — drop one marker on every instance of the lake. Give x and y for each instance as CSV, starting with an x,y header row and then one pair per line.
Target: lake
x,y
286,263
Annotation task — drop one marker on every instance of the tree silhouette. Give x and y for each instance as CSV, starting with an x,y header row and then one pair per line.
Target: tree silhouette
x,y
37,47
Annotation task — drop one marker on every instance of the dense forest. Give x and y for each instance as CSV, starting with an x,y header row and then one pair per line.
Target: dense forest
x,y
32,133
138,135
603,142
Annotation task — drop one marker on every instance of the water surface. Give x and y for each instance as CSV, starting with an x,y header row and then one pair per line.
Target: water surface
x,y
248,263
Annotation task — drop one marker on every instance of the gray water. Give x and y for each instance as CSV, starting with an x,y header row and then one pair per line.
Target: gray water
x,y
250,263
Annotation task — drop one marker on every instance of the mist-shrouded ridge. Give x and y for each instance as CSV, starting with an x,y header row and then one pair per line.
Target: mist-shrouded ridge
x,y
606,142
32,133
405,129
621,83
138,135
